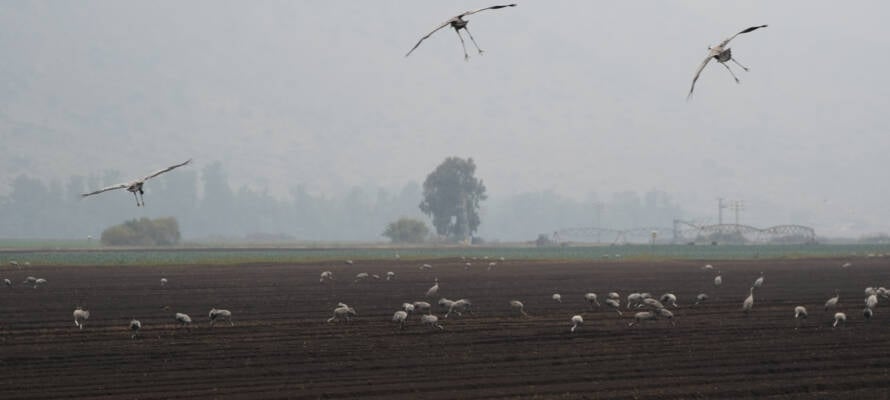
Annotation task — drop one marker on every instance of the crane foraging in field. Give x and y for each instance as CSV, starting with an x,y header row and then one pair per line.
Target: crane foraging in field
x,y
614,304
432,291
749,302
718,280
831,304
653,303
135,186
643,316
666,314
422,306
459,307
591,299
184,321
432,321
722,54
800,314
326,276
871,301
701,298
557,297
669,299
400,317
839,318
135,326
634,299
577,320
80,317
220,315
458,22
758,282
343,312
517,305
163,282
361,277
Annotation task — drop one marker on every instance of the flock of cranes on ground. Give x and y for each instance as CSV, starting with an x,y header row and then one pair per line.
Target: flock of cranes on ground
x,y
646,306
720,52
652,308
182,320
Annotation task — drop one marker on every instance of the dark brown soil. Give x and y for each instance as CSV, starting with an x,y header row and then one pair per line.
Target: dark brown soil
x,y
281,346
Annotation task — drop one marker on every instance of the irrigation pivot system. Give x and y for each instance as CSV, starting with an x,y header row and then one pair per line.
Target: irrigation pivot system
x,y
687,232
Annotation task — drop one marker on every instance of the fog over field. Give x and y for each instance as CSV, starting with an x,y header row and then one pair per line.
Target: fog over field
x,y
574,103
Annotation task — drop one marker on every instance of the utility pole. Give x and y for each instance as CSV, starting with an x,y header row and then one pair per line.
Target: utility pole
x,y
737,206
720,208
598,207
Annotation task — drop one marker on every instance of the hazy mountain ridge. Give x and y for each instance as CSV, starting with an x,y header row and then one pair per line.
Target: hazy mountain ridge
x,y
570,98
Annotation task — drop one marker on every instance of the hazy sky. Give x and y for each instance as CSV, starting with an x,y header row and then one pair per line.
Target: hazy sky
x,y
570,96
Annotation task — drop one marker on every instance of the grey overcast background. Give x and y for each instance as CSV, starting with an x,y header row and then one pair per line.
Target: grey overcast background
x,y
570,98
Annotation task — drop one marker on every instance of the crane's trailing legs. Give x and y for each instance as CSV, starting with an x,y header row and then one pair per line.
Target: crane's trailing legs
x,y
739,64
462,44
136,196
474,40
730,72
140,198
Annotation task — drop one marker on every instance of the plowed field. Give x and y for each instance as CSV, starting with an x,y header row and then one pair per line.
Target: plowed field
x,y
282,347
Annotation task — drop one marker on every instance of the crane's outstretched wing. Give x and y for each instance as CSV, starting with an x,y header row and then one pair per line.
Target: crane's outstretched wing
x,y
113,187
487,8
428,35
753,28
697,73
156,173
446,23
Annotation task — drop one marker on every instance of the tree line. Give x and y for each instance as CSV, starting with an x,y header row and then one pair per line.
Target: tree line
x,y
206,206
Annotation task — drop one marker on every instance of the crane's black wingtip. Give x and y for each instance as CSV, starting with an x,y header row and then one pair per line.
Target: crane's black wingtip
x,y
753,28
